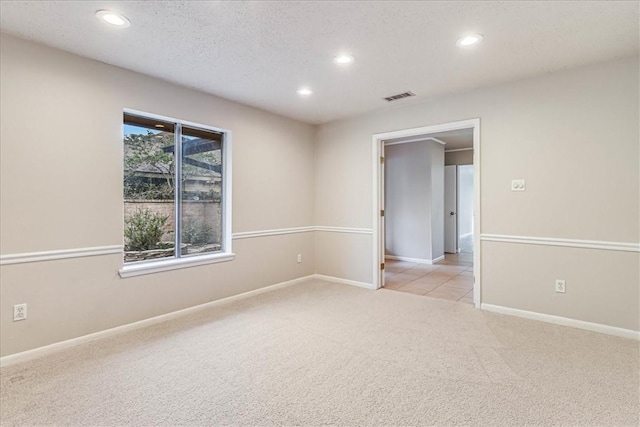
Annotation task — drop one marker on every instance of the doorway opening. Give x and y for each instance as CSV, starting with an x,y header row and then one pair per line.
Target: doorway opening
x,y
427,210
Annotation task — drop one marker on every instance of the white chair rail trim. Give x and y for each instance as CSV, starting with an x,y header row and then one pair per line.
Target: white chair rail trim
x,y
344,229
275,232
571,243
21,258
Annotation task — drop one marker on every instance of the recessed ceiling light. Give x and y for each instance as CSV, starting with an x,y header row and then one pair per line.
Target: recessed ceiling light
x,y
159,125
304,91
113,18
469,40
343,59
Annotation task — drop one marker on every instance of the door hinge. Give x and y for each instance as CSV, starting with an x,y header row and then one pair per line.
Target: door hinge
x,y
381,212
382,266
382,160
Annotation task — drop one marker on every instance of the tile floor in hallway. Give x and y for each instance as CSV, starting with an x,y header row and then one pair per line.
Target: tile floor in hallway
x,y
450,279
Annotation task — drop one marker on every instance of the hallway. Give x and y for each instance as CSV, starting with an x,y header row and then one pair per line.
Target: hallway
x,y
450,279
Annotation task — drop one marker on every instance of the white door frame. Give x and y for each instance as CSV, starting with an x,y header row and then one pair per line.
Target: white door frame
x,y
378,195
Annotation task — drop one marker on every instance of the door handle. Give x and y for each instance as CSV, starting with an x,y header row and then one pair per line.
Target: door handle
x,y
452,213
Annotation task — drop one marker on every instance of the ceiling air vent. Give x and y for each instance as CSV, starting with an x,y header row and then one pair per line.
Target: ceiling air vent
x,y
399,96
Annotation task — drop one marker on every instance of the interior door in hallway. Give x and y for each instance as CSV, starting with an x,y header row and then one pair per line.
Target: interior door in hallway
x,y
450,209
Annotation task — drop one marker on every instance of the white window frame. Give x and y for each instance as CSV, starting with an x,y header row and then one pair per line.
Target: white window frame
x,y
155,266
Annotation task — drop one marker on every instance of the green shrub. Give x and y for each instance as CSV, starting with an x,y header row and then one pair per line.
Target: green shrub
x,y
143,230
197,233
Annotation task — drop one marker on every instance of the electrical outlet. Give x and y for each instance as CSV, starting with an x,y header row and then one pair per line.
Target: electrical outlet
x,y
560,286
19,312
299,258
517,185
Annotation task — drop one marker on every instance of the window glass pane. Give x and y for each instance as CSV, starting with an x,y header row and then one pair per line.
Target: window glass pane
x,y
201,191
149,183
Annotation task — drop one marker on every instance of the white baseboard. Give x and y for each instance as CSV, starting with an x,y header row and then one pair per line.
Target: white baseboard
x,y
56,347
416,260
564,321
343,281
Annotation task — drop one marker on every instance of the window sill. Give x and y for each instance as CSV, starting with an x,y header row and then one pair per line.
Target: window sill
x,y
150,267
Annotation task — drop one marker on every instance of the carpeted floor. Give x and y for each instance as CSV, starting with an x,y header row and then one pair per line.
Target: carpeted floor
x,y
322,353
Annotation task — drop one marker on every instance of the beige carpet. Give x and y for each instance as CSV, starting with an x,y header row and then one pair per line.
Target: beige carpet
x,y
321,353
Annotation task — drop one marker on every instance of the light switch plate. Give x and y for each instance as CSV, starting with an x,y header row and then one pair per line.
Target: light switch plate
x,y
517,185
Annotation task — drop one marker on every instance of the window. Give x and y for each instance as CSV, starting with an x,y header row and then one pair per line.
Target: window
x,y
175,194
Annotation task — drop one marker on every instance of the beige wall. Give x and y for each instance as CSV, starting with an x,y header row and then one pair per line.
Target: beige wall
x,y
573,136
61,147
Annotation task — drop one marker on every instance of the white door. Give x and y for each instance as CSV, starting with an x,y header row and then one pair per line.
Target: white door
x,y
450,209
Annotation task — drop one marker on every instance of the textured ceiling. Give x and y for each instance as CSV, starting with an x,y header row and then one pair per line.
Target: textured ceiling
x,y
259,53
